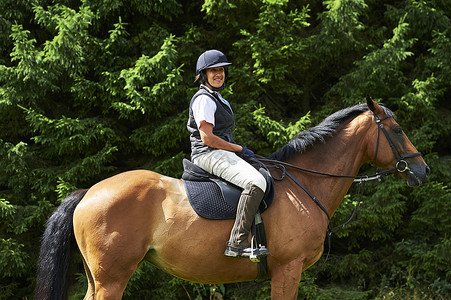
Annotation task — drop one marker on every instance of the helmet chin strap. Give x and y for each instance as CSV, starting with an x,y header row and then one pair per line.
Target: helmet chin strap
x,y
215,88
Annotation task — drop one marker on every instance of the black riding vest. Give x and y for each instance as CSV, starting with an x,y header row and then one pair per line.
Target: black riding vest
x,y
224,123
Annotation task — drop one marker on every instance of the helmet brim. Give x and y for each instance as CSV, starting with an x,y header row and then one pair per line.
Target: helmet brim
x,y
221,64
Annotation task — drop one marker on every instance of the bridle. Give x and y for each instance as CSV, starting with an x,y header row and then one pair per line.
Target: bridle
x,y
401,165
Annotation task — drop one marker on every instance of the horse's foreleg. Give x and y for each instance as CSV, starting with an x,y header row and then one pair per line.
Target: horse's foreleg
x,y
285,279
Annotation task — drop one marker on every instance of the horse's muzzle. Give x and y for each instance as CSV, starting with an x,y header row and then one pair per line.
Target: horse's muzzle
x,y
417,174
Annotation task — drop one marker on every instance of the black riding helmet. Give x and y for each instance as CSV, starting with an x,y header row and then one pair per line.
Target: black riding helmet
x,y
211,59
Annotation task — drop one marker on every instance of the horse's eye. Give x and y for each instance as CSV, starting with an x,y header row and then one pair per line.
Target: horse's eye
x,y
397,130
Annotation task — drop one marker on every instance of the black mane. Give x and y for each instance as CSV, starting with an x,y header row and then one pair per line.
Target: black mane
x,y
319,133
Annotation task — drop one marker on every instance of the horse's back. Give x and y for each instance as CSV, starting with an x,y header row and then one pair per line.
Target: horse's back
x,y
133,186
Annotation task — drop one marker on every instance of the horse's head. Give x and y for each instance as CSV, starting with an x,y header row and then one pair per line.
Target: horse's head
x,y
391,149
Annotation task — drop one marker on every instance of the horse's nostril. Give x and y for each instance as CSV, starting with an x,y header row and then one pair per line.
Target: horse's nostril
x,y
428,170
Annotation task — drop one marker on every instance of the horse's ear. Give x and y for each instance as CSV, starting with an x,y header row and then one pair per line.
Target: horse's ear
x,y
373,106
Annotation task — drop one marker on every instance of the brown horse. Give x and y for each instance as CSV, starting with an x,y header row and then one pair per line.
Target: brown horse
x,y
141,216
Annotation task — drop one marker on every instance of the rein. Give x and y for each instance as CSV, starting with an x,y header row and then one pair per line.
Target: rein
x,y
401,166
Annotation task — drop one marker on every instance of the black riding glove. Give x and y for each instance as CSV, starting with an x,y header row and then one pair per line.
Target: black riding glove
x,y
246,152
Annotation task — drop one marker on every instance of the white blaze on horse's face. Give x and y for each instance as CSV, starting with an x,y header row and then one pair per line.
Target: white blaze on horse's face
x,y
393,148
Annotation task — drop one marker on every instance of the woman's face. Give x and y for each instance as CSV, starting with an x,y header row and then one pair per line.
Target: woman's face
x,y
216,76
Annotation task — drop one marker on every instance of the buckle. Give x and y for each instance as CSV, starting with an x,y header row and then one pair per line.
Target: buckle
x,y
401,169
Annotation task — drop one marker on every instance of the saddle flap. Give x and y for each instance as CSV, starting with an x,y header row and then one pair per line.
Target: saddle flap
x,y
193,172
230,192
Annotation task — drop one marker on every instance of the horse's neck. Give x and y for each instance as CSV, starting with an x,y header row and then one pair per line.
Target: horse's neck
x,y
342,154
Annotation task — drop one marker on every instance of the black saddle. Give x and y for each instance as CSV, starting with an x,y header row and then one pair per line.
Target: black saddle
x,y
214,198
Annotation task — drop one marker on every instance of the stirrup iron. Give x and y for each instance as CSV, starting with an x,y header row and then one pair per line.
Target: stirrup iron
x,y
253,257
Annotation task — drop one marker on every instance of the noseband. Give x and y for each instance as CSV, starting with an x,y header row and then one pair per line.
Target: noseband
x,y
401,165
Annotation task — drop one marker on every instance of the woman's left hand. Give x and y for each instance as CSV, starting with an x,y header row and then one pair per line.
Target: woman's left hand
x,y
246,152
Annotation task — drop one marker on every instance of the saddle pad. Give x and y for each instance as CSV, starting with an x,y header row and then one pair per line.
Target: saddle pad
x,y
207,200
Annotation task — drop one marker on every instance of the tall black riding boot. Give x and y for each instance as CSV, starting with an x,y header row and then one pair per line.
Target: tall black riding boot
x,y
238,244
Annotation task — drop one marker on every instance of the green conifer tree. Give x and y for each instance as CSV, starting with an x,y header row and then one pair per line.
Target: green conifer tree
x,y
92,88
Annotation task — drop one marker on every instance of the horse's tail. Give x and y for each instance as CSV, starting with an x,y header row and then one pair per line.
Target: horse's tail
x,y
55,255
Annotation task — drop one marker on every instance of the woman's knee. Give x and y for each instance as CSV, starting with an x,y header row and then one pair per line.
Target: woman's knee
x,y
259,181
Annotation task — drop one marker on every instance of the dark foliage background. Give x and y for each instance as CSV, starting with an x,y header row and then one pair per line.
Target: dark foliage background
x,y
91,88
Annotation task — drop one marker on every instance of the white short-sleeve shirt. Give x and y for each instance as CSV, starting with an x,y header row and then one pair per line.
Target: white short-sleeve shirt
x,y
204,109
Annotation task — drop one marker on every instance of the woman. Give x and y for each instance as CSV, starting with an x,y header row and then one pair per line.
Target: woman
x,y
211,123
